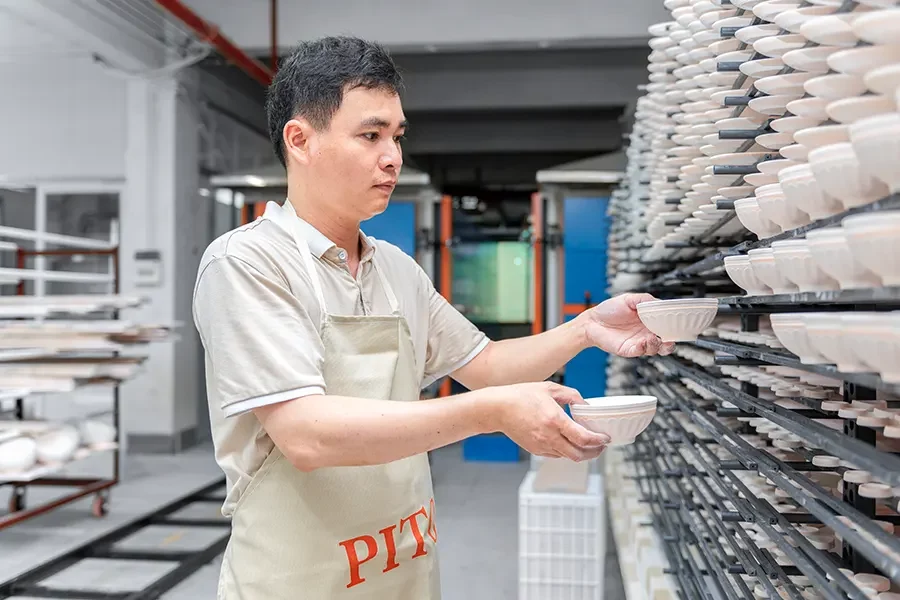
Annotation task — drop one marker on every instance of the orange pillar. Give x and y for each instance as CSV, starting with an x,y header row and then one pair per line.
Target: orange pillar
x,y
446,282
537,223
258,209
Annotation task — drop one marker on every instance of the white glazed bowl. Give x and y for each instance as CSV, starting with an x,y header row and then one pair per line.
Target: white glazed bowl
x,y
622,418
809,108
740,271
832,254
832,30
837,169
823,135
883,80
801,189
790,329
751,217
876,141
57,445
825,331
835,86
762,261
678,320
875,340
874,240
795,261
793,20
810,60
17,455
851,110
878,27
859,61
776,208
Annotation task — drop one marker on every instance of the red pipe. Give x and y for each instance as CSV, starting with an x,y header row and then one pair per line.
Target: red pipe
x,y
210,33
274,33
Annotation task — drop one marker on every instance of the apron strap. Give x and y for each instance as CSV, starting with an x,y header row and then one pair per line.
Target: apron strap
x,y
306,255
392,299
305,252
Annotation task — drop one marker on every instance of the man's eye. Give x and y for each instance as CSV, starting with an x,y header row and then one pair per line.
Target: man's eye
x,y
399,138
371,136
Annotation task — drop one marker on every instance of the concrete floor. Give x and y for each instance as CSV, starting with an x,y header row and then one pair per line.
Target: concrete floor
x,y
476,519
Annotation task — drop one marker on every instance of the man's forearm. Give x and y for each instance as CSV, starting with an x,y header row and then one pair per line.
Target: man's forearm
x,y
520,360
331,431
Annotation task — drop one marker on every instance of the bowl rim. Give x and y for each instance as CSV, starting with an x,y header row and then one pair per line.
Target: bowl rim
x,y
680,303
826,233
611,403
875,220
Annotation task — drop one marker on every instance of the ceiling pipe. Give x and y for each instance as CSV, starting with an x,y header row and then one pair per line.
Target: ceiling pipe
x,y
273,21
209,33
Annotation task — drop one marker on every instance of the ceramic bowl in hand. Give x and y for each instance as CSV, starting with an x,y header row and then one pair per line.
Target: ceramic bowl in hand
x,y
622,418
679,320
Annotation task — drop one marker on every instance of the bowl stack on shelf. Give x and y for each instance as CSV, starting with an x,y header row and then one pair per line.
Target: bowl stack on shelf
x,y
763,174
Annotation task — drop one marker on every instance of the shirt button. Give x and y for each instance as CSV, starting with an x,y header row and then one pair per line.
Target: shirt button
x,y
342,255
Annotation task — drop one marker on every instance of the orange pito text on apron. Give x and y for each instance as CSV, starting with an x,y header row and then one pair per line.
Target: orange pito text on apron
x,y
385,542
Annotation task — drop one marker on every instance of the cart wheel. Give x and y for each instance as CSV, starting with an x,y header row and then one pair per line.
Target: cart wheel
x,y
98,506
17,500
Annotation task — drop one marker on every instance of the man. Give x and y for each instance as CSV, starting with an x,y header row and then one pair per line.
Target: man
x,y
319,339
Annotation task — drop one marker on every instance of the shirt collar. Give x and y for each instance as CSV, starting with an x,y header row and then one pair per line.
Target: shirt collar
x,y
319,244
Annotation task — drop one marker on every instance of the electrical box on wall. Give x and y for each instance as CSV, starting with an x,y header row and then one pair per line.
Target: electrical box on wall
x,y
148,268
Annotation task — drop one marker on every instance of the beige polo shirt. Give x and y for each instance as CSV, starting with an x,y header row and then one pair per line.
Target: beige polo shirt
x,y
258,319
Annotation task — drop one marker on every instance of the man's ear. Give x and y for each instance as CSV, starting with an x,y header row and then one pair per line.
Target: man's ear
x,y
296,137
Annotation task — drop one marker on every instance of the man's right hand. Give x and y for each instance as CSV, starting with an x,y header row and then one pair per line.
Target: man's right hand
x,y
531,414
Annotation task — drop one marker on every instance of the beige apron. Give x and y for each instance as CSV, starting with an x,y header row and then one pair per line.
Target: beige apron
x,y
343,532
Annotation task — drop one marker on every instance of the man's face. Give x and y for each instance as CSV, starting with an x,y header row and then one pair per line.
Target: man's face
x,y
355,163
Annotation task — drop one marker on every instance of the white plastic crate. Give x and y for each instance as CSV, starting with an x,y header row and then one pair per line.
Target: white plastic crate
x,y
562,542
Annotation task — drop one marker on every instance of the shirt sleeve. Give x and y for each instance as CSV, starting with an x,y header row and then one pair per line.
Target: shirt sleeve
x,y
453,340
262,345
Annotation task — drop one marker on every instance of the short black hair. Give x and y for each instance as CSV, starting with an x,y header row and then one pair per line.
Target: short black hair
x,y
311,82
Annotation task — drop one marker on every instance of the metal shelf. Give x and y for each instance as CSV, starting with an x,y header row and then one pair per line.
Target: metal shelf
x,y
717,259
881,548
753,560
774,357
882,298
657,446
883,466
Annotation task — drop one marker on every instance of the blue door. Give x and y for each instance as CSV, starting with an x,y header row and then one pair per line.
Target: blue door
x,y
585,232
397,225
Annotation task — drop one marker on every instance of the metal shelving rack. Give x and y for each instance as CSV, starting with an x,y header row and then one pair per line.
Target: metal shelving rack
x,y
99,487
690,463
699,505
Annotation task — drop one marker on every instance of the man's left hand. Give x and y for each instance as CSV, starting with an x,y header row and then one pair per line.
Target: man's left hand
x,y
614,327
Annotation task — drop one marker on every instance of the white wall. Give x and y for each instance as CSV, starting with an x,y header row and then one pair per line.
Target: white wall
x,y
61,118
72,120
